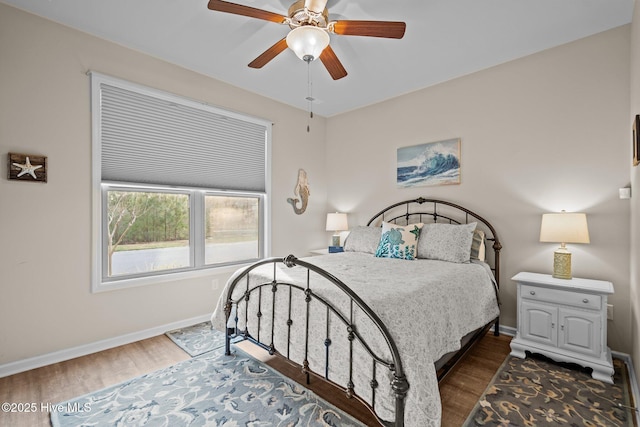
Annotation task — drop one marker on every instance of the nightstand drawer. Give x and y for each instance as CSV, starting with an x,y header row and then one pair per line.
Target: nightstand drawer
x,y
575,299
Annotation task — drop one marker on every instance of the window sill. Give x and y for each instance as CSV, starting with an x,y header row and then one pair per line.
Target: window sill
x,y
100,286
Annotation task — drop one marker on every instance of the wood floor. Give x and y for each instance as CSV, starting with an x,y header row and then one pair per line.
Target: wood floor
x,y
62,381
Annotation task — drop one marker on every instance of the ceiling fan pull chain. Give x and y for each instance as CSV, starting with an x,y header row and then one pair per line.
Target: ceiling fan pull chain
x,y
309,93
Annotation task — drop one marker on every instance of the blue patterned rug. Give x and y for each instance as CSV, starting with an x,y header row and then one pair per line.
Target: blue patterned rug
x,y
197,339
207,390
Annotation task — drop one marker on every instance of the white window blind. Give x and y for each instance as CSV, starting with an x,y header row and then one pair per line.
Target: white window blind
x,y
164,139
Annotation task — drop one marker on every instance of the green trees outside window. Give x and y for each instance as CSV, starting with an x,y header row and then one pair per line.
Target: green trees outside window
x,y
152,231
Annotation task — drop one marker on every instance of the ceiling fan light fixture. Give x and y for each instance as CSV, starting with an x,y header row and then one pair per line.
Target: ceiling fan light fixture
x,y
307,42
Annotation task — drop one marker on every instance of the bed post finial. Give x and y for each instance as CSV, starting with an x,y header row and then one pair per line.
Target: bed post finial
x,y
290,260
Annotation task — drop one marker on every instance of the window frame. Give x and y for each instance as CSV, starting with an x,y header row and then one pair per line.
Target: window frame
x,y
197,233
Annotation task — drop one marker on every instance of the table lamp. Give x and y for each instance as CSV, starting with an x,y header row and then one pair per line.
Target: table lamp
x,y
336,222
563,228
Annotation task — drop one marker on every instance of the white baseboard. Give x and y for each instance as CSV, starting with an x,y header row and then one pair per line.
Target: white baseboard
x,y
633,379
507,330
71,353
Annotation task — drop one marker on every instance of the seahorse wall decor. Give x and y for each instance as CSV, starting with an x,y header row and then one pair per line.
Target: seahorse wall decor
x,y
302,191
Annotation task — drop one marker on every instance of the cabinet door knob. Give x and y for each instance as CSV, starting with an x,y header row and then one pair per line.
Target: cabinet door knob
x,y
532,292
585,300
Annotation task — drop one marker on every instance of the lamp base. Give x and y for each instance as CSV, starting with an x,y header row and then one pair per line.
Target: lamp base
x,y
335,240
562,264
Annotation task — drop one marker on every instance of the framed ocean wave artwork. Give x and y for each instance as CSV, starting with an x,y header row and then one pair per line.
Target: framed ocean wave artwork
x,y
433,163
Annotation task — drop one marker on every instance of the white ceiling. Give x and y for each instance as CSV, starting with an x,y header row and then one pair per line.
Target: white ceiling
x,y
444,39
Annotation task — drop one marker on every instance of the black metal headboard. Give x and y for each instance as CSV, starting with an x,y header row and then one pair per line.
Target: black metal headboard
x,y
433,210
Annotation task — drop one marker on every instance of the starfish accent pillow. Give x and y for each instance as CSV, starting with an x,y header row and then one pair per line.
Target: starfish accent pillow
x,y
399,241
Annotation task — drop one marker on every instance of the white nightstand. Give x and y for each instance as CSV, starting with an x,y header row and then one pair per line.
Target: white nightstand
x,y
565,320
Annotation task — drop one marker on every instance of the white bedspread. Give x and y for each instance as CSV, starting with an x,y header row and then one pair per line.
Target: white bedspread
x,y
426,305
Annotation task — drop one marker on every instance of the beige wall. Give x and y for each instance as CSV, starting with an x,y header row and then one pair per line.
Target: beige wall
x,y
45,299
543,133
635,200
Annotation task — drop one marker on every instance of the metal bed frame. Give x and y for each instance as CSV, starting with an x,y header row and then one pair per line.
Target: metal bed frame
x,y
424,210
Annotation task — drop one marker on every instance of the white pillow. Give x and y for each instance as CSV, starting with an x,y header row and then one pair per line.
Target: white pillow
x,y
399,241
477,245
446,242
363,239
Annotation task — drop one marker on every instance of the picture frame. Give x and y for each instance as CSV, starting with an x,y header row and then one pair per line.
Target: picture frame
x,y
636,140
26,167
429,164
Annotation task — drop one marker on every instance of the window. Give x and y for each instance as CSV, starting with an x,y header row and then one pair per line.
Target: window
x,y
147,231
180,187
232,228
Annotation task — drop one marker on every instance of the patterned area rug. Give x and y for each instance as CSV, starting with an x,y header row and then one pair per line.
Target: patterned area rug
x,y
538,392
197,339
208,390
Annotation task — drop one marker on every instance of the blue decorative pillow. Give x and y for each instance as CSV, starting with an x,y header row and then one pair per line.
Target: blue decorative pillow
x,y
399,241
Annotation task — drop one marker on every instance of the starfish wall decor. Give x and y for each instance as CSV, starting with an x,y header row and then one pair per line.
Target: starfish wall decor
x,y
27,167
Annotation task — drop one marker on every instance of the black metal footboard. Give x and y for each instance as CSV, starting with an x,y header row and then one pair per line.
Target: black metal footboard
x,y
398,385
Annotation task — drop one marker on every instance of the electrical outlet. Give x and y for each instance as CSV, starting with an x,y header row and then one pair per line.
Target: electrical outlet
x,y
215,284
609,311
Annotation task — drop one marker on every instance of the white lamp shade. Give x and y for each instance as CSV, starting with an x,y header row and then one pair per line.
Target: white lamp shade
x,y
307,41
337,222
564,227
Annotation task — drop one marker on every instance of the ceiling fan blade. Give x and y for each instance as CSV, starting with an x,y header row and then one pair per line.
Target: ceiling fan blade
x,y
332,63
269,54
252,12
316,6
386,29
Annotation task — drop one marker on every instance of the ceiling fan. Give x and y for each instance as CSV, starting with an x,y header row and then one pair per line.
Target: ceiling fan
x,y
310,25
